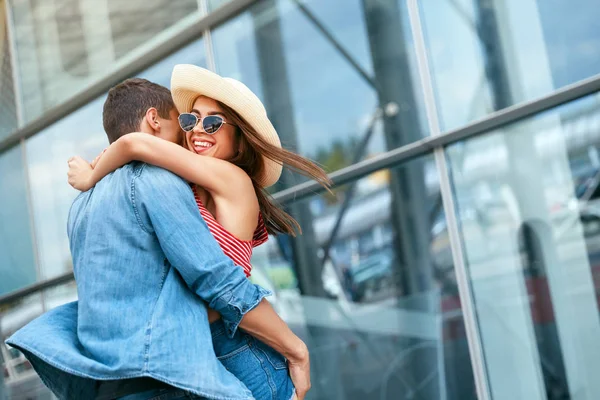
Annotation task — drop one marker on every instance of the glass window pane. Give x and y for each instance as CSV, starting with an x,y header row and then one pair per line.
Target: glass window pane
x,y
214,4
314,67
17,262
530,225
60,295
488,55
194,53
20,380
381,315
63,46
80,133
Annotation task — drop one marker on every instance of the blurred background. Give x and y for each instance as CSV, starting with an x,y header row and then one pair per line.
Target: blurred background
x,y
460,255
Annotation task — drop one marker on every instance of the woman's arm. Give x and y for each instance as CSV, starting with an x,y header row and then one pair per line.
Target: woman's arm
x,y
263,323
219,177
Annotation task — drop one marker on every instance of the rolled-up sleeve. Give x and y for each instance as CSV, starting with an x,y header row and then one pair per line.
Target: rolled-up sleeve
x,y
164,205
233,308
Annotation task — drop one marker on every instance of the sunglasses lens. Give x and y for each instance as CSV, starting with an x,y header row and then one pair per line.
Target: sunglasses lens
x,y
212,123
187,122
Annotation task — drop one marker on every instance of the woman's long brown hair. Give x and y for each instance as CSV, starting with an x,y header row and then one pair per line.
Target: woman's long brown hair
x,y
251,149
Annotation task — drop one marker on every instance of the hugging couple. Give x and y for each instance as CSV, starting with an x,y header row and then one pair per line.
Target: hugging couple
x,y
161,239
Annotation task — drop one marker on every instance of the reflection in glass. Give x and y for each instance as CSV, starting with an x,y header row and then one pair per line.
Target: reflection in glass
x,y
194,53
80,133
214,4
132,23
17,262
487,55
526,196
20,380
63,46
388,324
60,295
19,377
318,69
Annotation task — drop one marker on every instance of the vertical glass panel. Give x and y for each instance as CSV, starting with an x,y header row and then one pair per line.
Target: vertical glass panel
x,y
530,223
316,68
376,301
80,133
17,261
487,55
64,45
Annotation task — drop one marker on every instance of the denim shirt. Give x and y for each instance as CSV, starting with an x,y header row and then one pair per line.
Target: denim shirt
x,y
145,265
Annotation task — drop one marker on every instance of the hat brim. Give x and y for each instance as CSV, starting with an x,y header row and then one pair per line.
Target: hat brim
x,y
188,82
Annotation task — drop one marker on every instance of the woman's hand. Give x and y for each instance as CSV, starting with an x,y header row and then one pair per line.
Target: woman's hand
x,y
80,173
299,367
95,162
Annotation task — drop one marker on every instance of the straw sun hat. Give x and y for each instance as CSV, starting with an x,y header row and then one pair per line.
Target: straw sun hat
x,y
189,82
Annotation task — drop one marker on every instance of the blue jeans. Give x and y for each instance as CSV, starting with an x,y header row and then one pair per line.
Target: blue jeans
x,y
263,370
259,367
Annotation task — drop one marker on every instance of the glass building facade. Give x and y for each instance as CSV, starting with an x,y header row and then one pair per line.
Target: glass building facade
x,y
456,259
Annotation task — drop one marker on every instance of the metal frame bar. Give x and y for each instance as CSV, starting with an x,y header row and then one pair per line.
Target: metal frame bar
x,y
427,145
211,63
210,54
144,60
462,277
12,47
35,288
208,44
33,232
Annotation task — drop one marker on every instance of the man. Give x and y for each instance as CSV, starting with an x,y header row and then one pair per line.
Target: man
x,y
146,266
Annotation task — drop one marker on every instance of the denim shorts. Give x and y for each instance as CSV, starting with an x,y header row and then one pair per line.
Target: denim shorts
x,y
263,370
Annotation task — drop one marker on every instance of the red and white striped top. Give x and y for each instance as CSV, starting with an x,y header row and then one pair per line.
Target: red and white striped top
x,y
240,251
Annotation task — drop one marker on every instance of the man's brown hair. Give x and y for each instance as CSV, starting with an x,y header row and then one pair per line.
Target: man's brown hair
x,y
127,103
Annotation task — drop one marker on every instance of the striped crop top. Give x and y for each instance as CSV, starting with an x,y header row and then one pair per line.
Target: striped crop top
x,y
240,251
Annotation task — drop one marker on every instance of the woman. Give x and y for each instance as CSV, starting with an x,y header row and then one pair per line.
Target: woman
x,y
233,153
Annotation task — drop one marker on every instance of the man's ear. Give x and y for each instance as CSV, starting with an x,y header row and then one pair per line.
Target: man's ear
x,y
152,120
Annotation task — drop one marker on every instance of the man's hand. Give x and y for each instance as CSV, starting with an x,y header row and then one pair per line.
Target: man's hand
x,y
80,174
300,373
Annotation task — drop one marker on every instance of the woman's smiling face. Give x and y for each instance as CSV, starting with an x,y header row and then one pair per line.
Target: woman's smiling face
x,y
222,144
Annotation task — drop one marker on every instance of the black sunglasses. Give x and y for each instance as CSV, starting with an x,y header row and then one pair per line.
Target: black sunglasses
x,y
211,123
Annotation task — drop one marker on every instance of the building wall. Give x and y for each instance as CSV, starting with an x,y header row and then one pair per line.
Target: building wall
x,y
373,285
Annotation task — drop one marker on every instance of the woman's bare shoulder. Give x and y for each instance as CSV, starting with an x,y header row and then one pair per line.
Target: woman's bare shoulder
x,y
238,212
